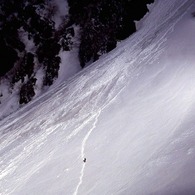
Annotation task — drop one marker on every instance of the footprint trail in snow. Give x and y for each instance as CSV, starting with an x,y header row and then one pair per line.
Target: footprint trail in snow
x,y
83,153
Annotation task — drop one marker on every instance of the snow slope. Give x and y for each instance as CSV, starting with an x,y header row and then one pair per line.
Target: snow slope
x,y
131,114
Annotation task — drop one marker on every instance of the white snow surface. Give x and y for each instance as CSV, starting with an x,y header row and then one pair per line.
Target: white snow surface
x,y
131,115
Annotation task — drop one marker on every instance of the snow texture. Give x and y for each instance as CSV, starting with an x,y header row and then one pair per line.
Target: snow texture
x,y
131,114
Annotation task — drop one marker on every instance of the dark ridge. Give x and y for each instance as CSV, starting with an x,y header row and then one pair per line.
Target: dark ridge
x,y
103,23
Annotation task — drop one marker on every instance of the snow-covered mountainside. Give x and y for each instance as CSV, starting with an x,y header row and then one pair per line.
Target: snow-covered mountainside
x,y
44,42
131,114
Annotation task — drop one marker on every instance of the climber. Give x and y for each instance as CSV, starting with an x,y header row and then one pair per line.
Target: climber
x,y
84,160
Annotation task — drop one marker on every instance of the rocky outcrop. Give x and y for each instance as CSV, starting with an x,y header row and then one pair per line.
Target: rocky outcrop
x,y
26,21
102,24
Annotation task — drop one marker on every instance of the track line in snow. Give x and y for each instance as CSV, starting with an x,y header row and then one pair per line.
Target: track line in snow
x,y
83,153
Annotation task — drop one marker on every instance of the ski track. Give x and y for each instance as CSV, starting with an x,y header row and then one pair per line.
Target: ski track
x,y
83,145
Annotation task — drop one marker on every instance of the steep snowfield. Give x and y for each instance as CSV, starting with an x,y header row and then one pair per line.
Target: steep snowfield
x,y
131,114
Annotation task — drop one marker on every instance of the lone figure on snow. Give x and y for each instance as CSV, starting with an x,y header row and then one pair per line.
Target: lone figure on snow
x,y
84,160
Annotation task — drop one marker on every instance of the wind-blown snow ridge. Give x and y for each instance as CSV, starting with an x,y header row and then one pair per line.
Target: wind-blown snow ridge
x,y
83,153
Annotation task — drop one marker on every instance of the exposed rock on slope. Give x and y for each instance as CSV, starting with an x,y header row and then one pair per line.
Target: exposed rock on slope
x,y
31,40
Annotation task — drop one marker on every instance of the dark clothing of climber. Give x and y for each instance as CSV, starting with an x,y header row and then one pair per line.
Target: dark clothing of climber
x,y
84,160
